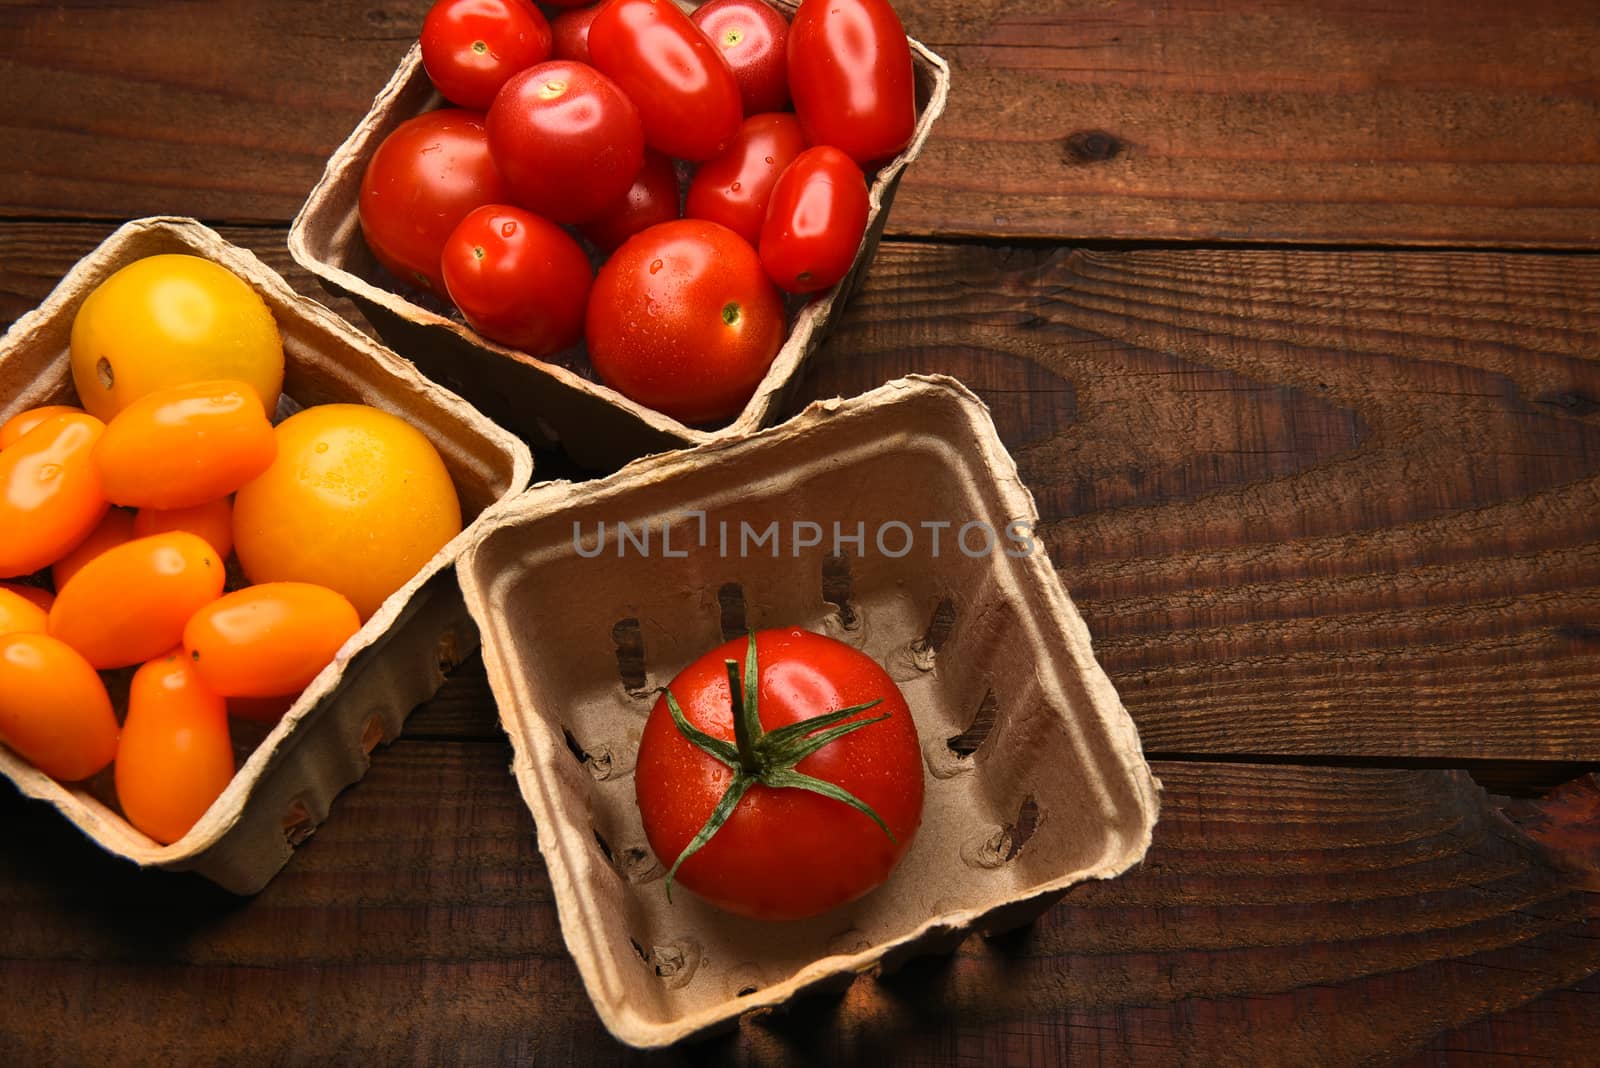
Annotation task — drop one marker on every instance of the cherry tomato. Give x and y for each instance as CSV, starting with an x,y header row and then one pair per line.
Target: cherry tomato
x,y
211,521
683,320
357,500
54,709
112,530
784,853
50,497
851,78
22,422
471,47
130,603
815,221
652,199
19,613
33,594
420,183
735,188
176,754
518,278
687,95
570,31
754,39
268,640
186,445
567,140
167,320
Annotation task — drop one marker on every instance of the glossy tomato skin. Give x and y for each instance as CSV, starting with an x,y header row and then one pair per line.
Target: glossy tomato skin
x,y
784,854
570,33
815,221
518,278
176,753
54,709
13,429
687,95
420,183
567,139
269,639
185,445
212,522
113,529
735,188
470,48
652,199
851,78
19,613
754,39
131,602
32,594
50,496
682,319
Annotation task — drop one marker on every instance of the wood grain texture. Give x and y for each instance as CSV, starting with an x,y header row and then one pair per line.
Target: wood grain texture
x,y
1264,121
1283,916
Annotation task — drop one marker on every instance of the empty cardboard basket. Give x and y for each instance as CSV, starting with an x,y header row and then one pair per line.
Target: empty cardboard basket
x,y
397,659
555,400
827,522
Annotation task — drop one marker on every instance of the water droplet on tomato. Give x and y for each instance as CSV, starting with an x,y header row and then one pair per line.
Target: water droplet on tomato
x,y
734,187
655,265
322,446
508,229
769,159
47,472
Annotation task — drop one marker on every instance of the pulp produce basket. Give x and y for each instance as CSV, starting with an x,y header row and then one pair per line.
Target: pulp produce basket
x,y
556,400
397,659
895,522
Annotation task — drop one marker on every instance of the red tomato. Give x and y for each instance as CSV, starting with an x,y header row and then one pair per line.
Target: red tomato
x,y
652,199
50,497
687,95
113,529
184,446
815,221
734,188
471,47
754,39
268,639
212,522
567,140
420,183
851,78
54,710
785,852
518,278
683,320
176,754
570,31
13,429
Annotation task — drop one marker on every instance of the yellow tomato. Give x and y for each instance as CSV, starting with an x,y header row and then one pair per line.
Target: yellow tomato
x,y
167,321
212,521
50,497
12,430
19,615
115,528
54,709
176,754
357,500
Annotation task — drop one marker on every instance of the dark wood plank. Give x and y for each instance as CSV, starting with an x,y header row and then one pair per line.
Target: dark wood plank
x,y
1283,916
1266,121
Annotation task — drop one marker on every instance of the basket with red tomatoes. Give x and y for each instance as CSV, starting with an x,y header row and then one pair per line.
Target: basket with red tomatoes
x,y
624,227
226,524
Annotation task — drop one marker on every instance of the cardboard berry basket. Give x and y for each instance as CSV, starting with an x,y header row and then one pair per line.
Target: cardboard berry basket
x,y
556,400
396,661
1034,773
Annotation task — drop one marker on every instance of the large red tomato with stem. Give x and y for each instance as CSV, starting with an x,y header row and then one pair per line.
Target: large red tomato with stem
x,y
682,319
754,39
470,48
687,95
851,78
735,188
518,278
815,221
784,789
567,140
422,180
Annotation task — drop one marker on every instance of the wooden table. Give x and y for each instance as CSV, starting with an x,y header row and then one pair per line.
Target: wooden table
x,y
1290,314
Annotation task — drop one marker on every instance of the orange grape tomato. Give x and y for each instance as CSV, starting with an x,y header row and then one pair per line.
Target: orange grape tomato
x,y
18,613
54,709
185,445
358,500
130,603
176,754
50,496
37,594
270,639
113,529
212,521
22,422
